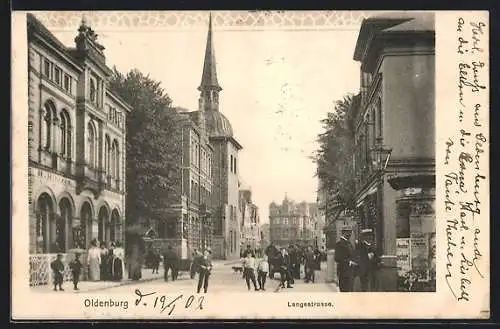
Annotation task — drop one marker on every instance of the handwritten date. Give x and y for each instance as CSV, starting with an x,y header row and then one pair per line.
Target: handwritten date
x,y
163,303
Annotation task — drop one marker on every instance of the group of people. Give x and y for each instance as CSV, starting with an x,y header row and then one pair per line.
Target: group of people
x,y
251,267
288,261
104,264
202,264
357,261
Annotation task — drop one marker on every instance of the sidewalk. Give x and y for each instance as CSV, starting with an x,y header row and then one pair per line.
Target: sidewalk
x,y
87,286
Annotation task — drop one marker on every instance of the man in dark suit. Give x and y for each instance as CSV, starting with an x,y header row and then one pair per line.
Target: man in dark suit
x,y
369,260
344,256
284,268
170,261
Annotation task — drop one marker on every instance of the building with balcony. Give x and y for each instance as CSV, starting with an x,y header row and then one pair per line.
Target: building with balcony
x,y
250,223
291,223
393,118
76,145
188,224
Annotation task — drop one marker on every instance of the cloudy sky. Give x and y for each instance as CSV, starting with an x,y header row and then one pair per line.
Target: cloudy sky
x,y
277,85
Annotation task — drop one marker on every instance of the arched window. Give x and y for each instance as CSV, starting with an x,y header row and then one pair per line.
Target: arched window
x,y
85,228
114,228
116,160
103,233
107,156
47,121
45,215
65,224
92,145
65,134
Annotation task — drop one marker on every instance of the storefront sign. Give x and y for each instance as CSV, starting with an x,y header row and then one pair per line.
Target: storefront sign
x,y
47,176
403,256
419,249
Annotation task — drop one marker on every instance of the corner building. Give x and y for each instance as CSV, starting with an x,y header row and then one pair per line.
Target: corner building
x,y
76,145
396,109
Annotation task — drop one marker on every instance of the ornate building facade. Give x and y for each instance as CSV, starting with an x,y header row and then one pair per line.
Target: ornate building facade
x,y
393,118
250,224
76,131
291,223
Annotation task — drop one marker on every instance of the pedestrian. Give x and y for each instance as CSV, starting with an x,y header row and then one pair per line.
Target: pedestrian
x,y
344,256
309,265
170,260
263,269
57,267
155,262
104,266
118,262
94,261
294,261
249,267
195,263
76,268
369,260
205,269
284,268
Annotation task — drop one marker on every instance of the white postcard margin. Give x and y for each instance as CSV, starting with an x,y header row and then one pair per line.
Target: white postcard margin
x,y
27,304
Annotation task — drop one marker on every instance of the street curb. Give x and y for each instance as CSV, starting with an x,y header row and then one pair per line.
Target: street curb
x,y
124,283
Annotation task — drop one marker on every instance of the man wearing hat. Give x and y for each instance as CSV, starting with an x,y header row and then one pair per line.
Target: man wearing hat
x,y
368,260
76,269
344,256
205,270
57,267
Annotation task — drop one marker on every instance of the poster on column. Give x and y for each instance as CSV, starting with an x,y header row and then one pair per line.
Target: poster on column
x,y
419,249
403,256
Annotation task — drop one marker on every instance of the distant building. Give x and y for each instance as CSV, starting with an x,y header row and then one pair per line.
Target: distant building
x,y
318,220
76,148
291,223
250,224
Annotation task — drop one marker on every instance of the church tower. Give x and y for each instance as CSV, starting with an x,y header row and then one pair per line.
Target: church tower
x,y
226,216
209,87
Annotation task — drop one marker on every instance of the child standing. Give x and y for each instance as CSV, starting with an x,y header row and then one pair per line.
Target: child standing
x,y
76,269
263,269
57,267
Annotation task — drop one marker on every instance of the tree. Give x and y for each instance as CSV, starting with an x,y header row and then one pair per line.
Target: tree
x,y
154,148
334,158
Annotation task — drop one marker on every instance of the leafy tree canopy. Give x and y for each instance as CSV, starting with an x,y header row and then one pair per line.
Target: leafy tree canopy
x,y
334,158
153,147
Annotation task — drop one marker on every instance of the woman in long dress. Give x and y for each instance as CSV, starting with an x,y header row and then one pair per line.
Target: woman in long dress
x,y
104,262
118,266
94,261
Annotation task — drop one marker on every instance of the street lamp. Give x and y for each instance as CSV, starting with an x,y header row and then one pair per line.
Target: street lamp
x,y
380,155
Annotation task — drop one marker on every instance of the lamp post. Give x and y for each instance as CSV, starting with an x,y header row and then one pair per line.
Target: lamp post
x,y
380,155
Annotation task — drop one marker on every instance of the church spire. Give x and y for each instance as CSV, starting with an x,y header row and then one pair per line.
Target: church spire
x,y
209,87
